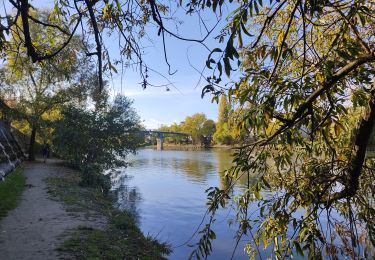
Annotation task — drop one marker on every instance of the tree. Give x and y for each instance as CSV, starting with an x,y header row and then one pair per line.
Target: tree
x,y
128,20
197,126
209,128
91,18
224,110
95,141
173,128
303,64
193,125
223,134
37,88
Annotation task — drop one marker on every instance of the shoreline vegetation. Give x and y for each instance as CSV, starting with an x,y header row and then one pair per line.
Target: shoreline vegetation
x,y
121,238
10,191
183,147
86,191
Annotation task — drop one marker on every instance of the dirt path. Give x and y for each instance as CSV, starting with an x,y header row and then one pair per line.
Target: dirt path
x,y
34,229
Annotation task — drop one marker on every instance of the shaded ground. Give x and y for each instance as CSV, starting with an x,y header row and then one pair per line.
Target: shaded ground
x,y
35,228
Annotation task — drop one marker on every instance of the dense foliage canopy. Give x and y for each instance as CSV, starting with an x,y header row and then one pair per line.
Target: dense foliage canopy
x,y
35,90
303,64
96,141
197,127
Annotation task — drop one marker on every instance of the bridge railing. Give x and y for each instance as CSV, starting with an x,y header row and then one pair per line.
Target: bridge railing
x,y
162,132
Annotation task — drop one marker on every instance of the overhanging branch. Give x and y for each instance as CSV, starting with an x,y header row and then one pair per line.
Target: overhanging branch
x,y
326,85
98,53
362,139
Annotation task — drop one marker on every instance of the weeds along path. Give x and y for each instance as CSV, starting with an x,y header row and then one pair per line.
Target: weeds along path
x,y
35,228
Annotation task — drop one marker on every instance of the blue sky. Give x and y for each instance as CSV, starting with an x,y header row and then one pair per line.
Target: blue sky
x,y
157,106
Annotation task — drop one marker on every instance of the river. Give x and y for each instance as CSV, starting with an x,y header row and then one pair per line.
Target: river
x,y
166,190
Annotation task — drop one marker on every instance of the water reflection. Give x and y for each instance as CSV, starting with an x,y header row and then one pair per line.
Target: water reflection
x,y
128,198
166,189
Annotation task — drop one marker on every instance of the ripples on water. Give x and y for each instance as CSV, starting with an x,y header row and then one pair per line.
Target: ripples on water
x,y
166,190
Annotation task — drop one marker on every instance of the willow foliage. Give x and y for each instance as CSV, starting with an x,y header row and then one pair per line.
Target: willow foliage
x,y
307,82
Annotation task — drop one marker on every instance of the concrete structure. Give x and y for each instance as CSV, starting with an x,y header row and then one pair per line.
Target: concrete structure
x,y
11,153
160,136
159,142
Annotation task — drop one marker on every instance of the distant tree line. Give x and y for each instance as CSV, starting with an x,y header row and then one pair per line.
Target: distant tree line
x,y
197,126
204,131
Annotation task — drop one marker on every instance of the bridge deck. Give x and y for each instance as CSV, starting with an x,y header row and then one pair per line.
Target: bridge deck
x,y
163,132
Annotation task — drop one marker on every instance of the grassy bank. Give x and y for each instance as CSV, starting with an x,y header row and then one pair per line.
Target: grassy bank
x,y
121,238
10,191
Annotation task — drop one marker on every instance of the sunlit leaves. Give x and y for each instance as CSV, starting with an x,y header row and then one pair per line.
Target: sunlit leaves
x,y
287,52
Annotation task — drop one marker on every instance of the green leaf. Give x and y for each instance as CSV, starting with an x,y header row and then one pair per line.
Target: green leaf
x,y
265,182
207,89
118,5
244,30
257,192
227,66
214,5
209,56
220,68
298,248
111,67
256,7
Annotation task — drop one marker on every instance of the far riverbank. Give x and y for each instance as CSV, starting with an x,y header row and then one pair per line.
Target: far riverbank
x,y
189,147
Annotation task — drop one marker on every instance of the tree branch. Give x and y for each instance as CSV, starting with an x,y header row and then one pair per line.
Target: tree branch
x,y
327,85
362,139
48,25
89,5
24,9
284,39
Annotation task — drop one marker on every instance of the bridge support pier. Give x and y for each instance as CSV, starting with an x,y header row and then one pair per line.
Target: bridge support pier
x,y
159,142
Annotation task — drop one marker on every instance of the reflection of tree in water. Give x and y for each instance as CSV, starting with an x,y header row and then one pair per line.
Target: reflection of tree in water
x,y
128,197
118,177
190,165
224,162
195,168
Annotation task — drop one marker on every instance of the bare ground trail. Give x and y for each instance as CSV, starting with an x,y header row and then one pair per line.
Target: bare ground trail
x,y
35,228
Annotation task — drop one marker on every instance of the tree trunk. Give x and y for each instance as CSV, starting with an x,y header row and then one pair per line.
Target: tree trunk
x,y
32,144
362,139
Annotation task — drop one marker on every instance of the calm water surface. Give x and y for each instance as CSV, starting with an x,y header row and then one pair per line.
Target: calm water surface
x,y
166,189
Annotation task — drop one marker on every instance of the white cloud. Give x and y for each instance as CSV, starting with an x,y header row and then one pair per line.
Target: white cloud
x,y
133,89
152,123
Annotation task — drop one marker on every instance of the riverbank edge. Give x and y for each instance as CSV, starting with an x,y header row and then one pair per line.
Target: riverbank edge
x,y
120,239
192,147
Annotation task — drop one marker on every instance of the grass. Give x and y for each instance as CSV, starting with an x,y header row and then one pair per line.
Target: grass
x,y
120,239
370,154
10,191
